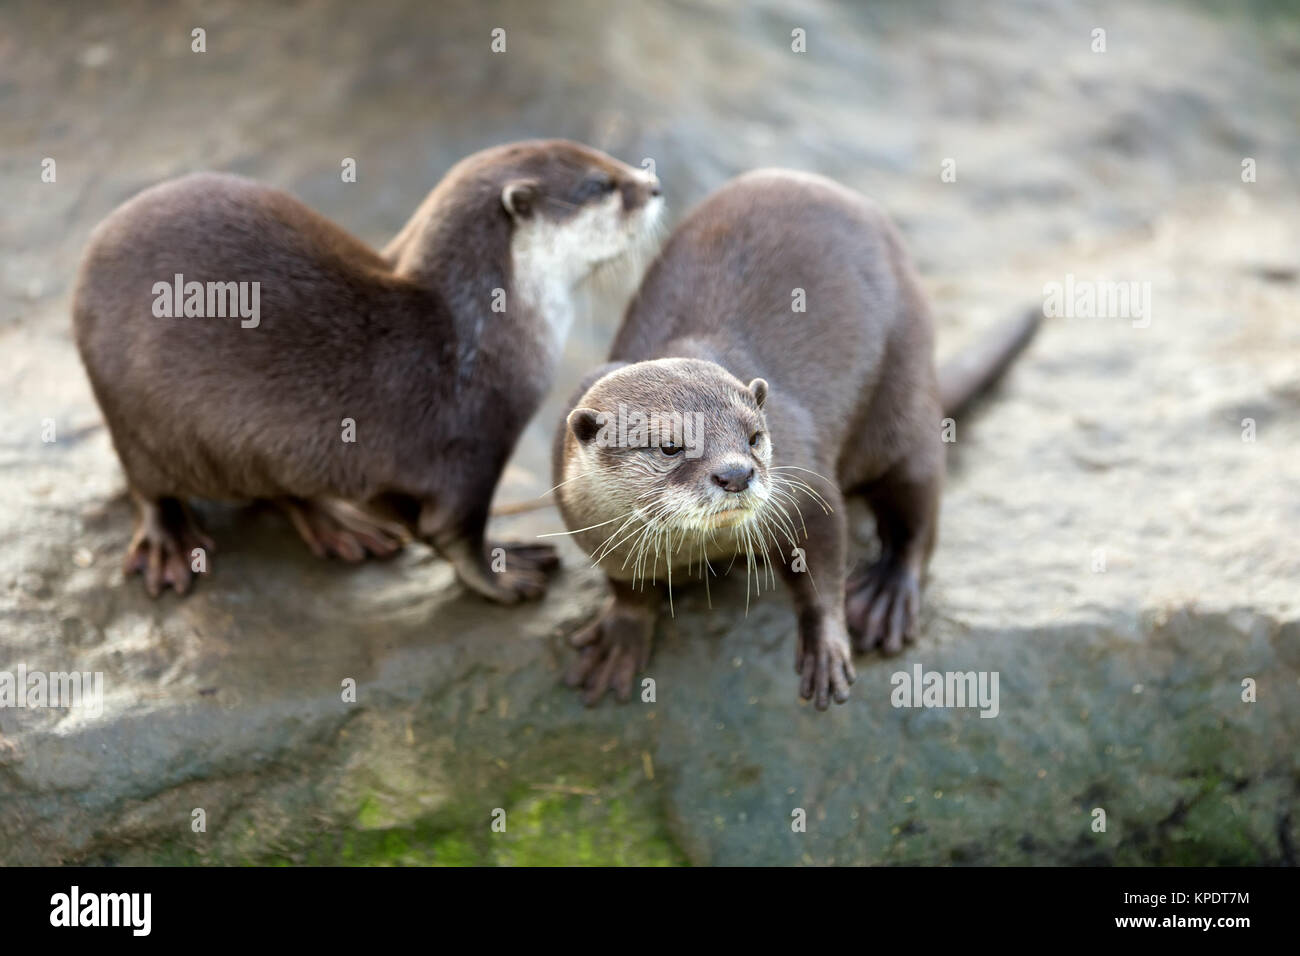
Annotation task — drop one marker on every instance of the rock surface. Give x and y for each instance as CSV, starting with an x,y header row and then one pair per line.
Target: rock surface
x,y
1119,689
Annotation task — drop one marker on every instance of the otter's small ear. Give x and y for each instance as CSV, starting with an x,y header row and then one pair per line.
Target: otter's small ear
x,y
758,388
520,197
584,423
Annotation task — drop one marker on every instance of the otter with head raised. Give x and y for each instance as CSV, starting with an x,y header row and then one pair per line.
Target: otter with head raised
x,y
241,346
777,358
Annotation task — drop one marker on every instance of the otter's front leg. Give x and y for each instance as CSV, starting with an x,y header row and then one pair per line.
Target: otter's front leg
x,y
823,659
884,600
616,645
505,572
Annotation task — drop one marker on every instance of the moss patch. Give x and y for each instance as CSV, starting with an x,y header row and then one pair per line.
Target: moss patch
x,y
560,824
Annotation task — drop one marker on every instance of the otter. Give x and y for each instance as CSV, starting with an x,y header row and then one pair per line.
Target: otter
x,y
243,347
730,425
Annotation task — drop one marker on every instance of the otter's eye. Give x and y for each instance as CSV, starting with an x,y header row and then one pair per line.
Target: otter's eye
x,y
670,449
753,439
597,184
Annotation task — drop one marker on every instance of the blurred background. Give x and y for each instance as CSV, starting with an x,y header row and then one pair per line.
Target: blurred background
x,y
1120,689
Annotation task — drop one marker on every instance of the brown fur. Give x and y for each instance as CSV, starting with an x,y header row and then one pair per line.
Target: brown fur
x,y
852,406
403,342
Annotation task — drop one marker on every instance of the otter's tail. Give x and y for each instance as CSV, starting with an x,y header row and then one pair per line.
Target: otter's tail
x,y
963,378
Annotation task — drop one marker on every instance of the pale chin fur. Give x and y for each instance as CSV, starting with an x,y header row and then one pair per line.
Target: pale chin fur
x,y
551,260
722,515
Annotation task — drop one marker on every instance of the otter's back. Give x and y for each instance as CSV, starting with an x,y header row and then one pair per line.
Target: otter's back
x,y
784,275
303,304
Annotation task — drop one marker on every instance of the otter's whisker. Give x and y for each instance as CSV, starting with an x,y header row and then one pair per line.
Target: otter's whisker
x,y
705,570
782,494
648,517
605,548
669,561
651,532
638,535
555,534
798,468
796,483
749,565
610,545
585,474
560,202
764,529
609,548
778,519
816,590
769,533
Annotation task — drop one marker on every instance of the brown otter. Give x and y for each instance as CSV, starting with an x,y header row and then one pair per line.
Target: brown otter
x,y
241,346
729,423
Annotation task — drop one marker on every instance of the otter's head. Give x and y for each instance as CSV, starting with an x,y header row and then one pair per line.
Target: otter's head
x,y
573,209
678,443
549,212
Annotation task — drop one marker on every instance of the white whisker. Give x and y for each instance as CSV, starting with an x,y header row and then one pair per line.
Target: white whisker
x,y
553,534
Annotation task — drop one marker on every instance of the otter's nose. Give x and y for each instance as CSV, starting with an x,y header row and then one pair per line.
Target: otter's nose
x,y
637,192
735,478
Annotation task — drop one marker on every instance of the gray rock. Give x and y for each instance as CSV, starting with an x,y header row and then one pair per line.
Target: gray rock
x,y
1119,689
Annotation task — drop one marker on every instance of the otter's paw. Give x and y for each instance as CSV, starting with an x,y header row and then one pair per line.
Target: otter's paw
x,y
509,586
505,573
611,651
824,665
516,572
337,528
162,547
529,557
881,607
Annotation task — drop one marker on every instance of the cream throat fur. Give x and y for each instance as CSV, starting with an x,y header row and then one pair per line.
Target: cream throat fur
x,y
551,260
